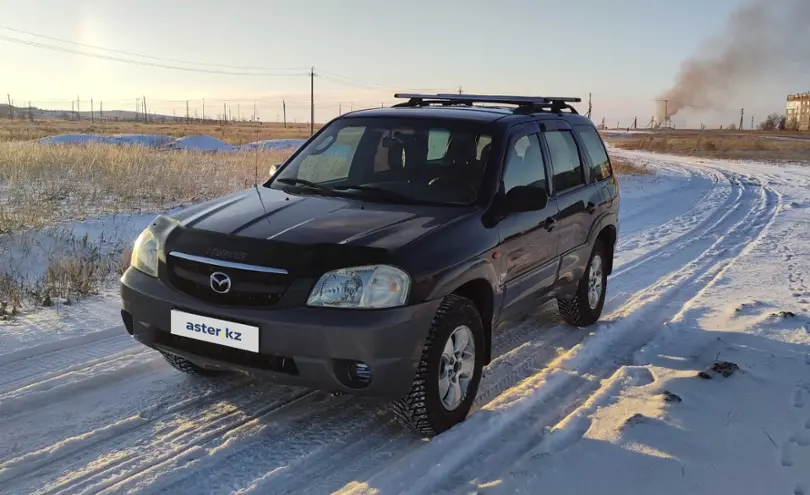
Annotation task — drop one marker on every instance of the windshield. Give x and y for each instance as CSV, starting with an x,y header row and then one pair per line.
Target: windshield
x,y
399,160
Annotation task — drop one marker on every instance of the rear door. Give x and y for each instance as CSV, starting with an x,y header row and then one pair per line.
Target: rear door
x,y
600,170
576,199
529,241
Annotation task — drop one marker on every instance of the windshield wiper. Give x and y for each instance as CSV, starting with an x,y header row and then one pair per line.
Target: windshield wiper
x,y
293,181
383,193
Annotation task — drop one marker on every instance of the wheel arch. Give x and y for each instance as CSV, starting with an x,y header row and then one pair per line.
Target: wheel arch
x,y
475,280
482,296
608,237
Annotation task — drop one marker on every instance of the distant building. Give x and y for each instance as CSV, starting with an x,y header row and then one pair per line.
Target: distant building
x,y
797,115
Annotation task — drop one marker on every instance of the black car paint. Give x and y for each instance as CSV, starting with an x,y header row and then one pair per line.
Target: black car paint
x,y
523,259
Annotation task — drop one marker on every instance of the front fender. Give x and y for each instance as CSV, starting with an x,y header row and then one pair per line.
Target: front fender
x,y
459,275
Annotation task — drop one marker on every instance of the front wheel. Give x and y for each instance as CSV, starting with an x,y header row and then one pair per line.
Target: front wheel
x,y
449,370
585,307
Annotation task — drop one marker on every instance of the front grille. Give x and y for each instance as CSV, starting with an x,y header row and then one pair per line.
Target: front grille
x,y
248,288
268,362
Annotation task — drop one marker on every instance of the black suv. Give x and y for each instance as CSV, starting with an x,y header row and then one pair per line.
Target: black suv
x,y
384,254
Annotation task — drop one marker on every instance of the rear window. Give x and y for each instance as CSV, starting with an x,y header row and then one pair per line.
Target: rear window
x,y
600,164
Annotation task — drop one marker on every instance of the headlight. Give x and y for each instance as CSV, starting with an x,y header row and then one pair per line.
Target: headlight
x,y
362,287
145,253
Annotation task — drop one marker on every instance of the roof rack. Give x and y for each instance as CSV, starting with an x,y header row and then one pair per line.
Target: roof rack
x,y
554,104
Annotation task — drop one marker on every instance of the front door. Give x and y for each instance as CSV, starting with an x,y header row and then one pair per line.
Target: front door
x,y
529,239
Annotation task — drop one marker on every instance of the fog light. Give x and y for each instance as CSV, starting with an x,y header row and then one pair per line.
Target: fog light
x,y
360,372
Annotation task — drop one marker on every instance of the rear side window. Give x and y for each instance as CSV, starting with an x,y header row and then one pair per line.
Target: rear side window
x,y
600,164
524,164
565,160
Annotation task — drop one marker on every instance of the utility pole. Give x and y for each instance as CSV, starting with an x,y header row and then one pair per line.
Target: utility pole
x,y
30,111
635,123
284,109
254,110
460,90
742,114
224,113
187,119
589,106
101,111
92,118
752,122
311,101
78,108
203,113
10,106
340,108
137,108
238,112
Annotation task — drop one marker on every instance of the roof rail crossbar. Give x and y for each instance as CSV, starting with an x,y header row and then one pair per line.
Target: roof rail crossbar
x,y
524,103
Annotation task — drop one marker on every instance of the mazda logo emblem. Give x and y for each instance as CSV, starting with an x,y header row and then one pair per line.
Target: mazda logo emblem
x,y
220,283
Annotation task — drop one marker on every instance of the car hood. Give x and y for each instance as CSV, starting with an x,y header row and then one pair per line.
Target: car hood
x,y
264,213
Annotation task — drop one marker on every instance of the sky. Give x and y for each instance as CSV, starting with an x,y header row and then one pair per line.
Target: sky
x,y
623,52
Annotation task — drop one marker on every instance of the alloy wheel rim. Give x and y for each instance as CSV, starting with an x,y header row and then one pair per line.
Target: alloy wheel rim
x,y
456,367
595,285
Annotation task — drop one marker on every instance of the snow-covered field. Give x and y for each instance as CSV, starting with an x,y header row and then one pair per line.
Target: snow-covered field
x,y
713,267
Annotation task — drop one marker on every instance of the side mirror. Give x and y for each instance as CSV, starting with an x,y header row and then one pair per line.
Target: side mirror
x,y
525,198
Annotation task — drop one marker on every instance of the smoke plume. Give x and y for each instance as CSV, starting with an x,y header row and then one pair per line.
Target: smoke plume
x,y
763,40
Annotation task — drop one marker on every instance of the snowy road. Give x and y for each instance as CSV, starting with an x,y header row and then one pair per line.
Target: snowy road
x,y
84,409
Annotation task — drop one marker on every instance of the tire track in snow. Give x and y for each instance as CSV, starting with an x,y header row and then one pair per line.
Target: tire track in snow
x,y
173,433
575,377
45,367
63,386
676,292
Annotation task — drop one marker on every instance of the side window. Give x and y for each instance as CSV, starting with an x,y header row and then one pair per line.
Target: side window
x,y
600,164
524,164
336,159
565,160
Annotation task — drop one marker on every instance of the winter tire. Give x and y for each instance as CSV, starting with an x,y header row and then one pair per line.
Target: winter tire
x,y
186,366
449,370
585,308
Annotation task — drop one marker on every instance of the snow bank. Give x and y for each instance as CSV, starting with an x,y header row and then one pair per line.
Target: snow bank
x,y
274,144
150,140
199,142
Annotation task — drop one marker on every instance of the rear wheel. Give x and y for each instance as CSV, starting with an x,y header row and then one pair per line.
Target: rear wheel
x,y
449,370
585,308
186,366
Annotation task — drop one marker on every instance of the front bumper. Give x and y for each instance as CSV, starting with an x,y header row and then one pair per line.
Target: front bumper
x,y
310,347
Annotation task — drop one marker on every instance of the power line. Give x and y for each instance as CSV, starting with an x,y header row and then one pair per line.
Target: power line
x,y
348,81
96,47
138,62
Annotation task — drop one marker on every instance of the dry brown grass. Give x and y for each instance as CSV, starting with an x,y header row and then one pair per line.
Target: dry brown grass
x,y
720,145
41,184
622,166
236,133
45,262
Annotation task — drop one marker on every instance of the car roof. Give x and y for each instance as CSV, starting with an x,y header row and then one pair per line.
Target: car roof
x,y
474,113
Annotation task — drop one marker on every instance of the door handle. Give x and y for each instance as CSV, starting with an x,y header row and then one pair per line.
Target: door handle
x,y
550,223
590,208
